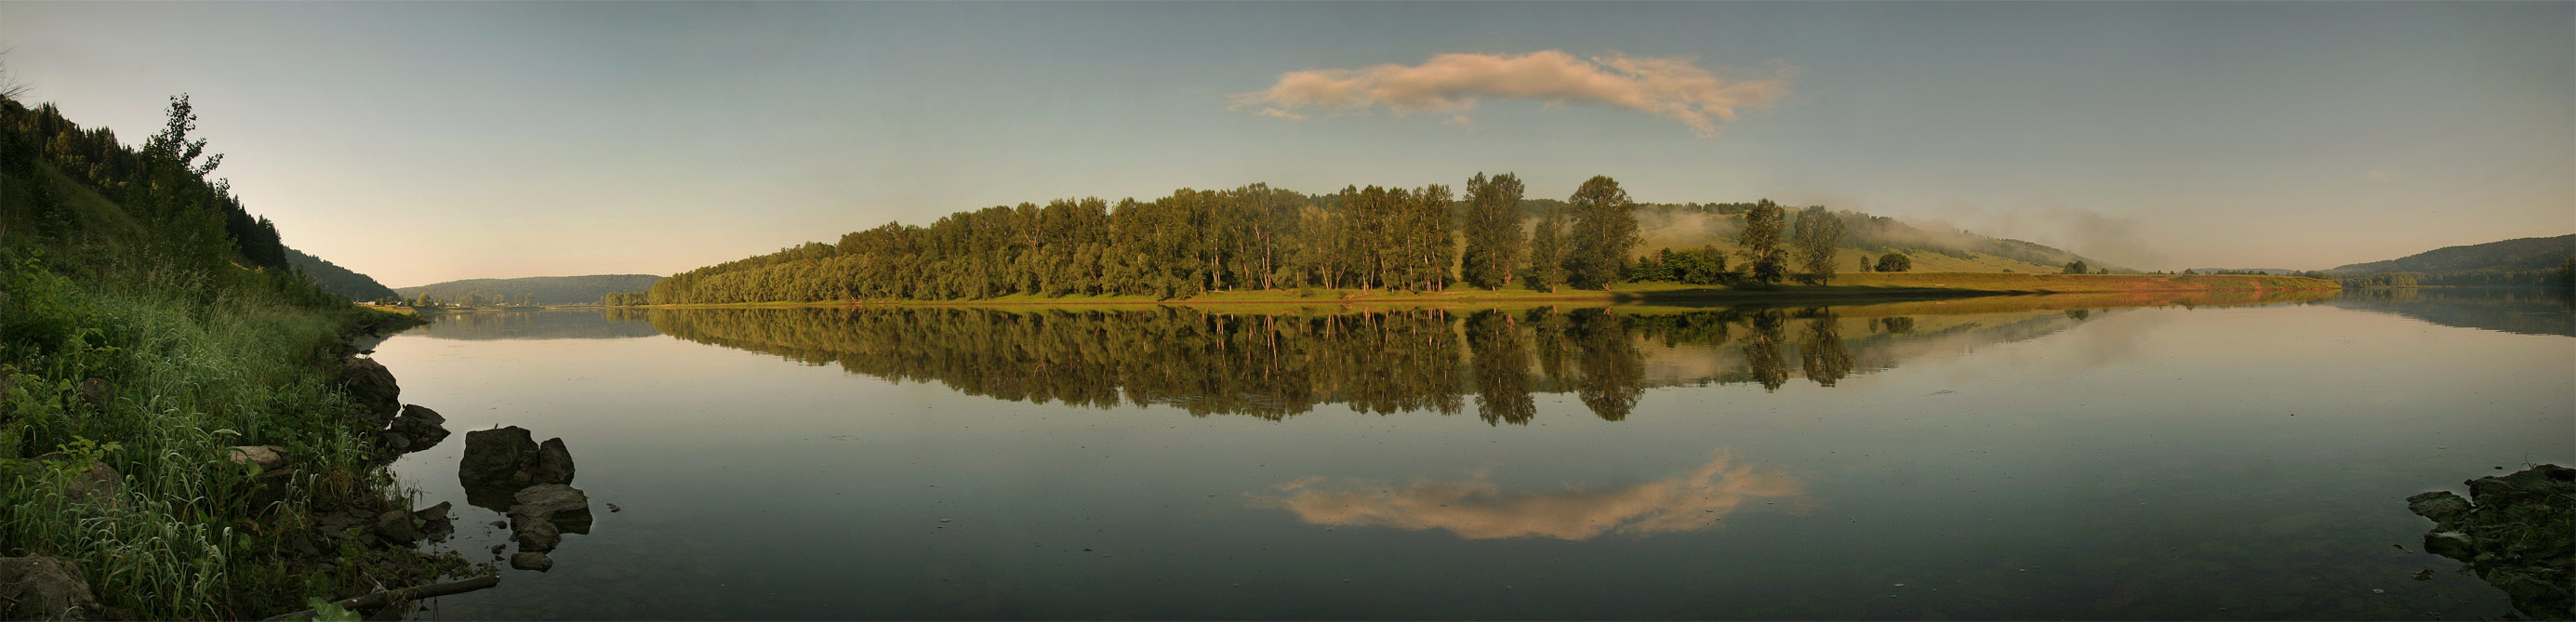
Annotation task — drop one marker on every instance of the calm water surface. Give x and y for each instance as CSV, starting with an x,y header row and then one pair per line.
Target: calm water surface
x,y
2031,457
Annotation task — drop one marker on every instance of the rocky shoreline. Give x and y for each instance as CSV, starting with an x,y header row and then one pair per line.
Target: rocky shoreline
x,y
370,536
2516,532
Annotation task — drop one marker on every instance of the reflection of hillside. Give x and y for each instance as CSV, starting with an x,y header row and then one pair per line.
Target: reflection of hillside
x,y
1282,364
2526,310
535,325
1477,509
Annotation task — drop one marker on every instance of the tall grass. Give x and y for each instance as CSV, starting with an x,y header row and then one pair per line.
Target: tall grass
x,y
191,364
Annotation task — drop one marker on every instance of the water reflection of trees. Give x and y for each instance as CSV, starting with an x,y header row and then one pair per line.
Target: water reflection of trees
x,y
1274,365
569,324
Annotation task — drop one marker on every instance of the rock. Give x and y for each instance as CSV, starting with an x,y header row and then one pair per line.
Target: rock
x,y
434,522
2444,508
94,394
415,429
554,464
268,457
2451,544
269,486
499,456
395,526
2537,485
565,506
93,484
2517,532
371,389
531,561
46,588
434,513
537,536
501,461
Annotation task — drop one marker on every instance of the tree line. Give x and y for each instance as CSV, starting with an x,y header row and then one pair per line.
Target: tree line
x,y
1256,237
1199,241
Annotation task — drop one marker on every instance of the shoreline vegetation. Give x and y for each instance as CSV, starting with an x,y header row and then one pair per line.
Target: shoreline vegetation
x,y
186,430
1866,287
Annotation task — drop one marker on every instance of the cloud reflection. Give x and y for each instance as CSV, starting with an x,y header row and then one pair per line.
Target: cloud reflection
x,y
1478,509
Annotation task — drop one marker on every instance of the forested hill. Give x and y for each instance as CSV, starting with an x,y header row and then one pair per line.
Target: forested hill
x,y
1261,238
339,281
544,290
2519,255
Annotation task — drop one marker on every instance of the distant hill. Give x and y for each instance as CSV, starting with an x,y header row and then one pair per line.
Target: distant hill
x,y
2526,254
544,290
342,282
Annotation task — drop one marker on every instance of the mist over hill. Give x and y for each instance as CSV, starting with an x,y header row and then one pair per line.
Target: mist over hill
x,y
1687,225
544,290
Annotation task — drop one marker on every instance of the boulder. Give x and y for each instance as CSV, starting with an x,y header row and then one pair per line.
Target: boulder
x,y
554,464
2446,509
501,461
435,513
47,588
499,456
396,526
270,485
2451,544
531,561
371,389
92,484
2517,532
435,525
415,429
565,506
537,537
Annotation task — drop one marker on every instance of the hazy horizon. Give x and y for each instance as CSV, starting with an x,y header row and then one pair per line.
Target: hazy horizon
x,y
423,143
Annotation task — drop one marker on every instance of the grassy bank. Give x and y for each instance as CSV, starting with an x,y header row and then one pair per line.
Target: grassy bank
x,y
1848,287
156,382
148,325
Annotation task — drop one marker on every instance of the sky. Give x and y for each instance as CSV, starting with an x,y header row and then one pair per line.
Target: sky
x,y
425,142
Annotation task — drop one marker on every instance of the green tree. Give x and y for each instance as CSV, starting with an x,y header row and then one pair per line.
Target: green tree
x,y
1605,228
1895,262
1761,242
1547,256
1493,228
2076,267
1819,233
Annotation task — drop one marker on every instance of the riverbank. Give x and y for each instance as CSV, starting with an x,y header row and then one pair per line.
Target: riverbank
x,y
1845,288
183,445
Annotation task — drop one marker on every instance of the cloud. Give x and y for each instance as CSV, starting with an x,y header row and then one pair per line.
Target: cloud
x,y
1477,509
1672,88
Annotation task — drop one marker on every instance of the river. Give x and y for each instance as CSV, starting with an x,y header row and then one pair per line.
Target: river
x,y
2125,457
